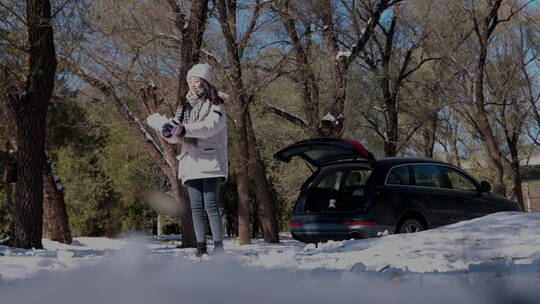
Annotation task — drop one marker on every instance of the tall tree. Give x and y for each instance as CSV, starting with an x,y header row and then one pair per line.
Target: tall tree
x,y
484,26
55,220
507,84
191,33
30,108
467,39
396,51
247,152
144,56
485,20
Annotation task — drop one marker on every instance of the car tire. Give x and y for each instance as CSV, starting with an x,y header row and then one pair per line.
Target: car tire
x,y
410,225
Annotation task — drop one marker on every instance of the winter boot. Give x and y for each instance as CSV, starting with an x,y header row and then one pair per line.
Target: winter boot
x,y
201,249
218,248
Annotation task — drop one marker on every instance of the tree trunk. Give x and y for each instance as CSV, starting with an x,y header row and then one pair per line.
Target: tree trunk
x,y
55,218
429,134
267,213
190,54
186,220
159,228
454,152
489,141
304,77
26,227
226,16
242,172
333,119
334,116
512,141
191,43
192,32
8,177
517,182
483,32
392,126
31,108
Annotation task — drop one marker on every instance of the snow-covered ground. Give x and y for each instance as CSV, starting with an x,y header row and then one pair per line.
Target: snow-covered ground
x,y
494,259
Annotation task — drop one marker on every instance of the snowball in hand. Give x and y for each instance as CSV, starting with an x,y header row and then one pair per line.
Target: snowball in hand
x,y
156,121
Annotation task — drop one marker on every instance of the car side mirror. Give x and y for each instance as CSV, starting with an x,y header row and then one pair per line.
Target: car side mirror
x,y
485,187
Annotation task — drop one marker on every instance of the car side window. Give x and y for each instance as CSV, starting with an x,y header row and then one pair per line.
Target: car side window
x,y
399,176
459,181
355,179
429,176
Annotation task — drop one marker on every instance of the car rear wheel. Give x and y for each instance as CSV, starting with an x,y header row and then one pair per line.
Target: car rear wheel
x,y
410,225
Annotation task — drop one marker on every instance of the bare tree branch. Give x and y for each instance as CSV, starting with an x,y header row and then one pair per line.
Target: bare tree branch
x,y
14,13
134,122
179,16
4,35
286,115
247,35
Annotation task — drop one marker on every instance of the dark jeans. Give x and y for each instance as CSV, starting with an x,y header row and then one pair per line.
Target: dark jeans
x,y
204,195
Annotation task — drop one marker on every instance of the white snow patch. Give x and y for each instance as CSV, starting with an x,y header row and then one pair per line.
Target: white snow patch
x,y
329,117
343,54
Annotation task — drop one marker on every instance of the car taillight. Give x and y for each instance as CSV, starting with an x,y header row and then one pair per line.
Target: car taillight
x,y
357,223
296,223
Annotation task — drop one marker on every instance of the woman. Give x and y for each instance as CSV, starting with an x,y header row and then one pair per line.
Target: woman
x,y
200,124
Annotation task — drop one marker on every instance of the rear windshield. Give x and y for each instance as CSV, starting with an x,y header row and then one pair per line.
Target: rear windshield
x,y
337,191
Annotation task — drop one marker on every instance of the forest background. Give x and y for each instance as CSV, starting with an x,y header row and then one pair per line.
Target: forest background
x,y
453,80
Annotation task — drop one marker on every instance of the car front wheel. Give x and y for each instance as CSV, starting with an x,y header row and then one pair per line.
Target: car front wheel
x,y
410,226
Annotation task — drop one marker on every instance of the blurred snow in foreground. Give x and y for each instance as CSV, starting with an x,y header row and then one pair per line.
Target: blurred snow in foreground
x,y
494,259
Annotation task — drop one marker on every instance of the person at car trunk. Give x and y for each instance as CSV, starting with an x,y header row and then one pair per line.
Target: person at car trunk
x,y
200,124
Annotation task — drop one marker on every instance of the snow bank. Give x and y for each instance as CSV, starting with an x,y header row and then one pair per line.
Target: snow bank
x,y
136,276
510,237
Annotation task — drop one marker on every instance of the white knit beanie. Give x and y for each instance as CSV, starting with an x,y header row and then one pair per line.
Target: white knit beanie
x,y
201,70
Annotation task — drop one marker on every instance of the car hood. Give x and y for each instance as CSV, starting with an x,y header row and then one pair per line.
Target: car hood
x,y
508,204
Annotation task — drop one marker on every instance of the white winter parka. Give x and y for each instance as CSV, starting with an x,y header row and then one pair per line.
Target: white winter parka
x,y
209,157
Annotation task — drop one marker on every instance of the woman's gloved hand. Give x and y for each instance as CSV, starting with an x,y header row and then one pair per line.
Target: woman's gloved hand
x,y
166,130
178,130
172,129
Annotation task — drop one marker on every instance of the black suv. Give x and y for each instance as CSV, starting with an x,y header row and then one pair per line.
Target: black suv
x,y
353,195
